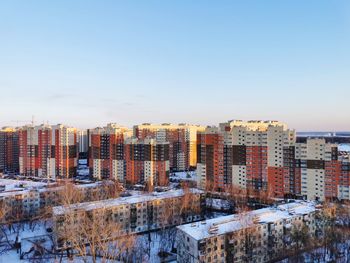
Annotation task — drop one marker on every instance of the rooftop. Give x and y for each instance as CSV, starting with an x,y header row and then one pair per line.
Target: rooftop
x,y
232,223
12,187
138,198
18,185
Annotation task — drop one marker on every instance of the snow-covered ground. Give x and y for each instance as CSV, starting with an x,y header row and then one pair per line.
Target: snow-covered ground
x,y
321,255
187,176
30,236
218,204
344,147
147,246
83,169
82,162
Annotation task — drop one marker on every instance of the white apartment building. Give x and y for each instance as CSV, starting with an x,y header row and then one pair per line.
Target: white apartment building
x,y
313,155
136,214
256,236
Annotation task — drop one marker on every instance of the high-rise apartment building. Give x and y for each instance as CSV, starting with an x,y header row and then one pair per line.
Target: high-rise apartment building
x,y
9,150
83,140
210,158
257,153
48,151
324,170
107,151
263,157
146,161
65,155
181,138
251,155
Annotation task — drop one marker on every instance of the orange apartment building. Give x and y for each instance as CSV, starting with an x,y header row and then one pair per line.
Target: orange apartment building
x,y
264,157
146,162
48,151
182,142
210,166
106,157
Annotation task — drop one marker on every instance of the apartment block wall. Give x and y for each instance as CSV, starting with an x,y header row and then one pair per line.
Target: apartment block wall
x,y
258,149
106,158
181,138
147,162
65,157
48,151
263,156
35,151
344,178
324,174
9,150
31,203
83,140
256,155
136,214
248,237
210,158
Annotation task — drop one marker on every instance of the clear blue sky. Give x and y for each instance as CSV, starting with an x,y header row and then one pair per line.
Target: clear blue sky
x,y
86,63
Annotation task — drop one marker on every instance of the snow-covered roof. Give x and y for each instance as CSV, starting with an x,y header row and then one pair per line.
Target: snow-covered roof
x,y
12,184
232,223
139,198
14,187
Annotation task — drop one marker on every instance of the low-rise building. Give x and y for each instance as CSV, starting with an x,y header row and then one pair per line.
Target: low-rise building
x,y
135,214
256,236
27,200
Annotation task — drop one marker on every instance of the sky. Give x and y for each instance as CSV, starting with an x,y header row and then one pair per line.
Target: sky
x,y
86,63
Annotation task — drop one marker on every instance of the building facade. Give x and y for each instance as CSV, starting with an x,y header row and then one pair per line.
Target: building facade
x,y
324,170
106,156
146,162
259,236
136,214
9,151
48,151
182,142
264,157
210,158
256,156
28,200
83,140
252,155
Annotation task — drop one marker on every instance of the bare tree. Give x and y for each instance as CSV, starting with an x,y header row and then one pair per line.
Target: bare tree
x,y
92,235
241,243
5,212
300,238
112,188
247,235
70,194
190,204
